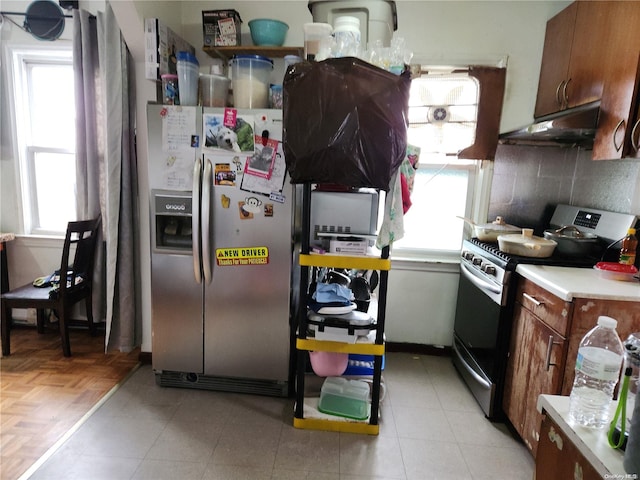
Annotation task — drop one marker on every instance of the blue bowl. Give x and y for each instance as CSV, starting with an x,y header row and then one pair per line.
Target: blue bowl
x,y
268,32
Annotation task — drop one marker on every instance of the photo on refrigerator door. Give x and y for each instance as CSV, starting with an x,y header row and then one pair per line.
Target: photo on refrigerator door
x,y
224,175
231,136
263,159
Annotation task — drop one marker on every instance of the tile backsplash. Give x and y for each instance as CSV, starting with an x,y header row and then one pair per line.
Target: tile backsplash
x,y
529,181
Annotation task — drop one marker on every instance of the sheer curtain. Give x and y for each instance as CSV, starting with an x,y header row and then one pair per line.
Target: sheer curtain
x,y
106,169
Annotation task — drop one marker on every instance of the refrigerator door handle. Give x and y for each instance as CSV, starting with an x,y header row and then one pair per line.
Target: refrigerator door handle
x,y
206,219
195,219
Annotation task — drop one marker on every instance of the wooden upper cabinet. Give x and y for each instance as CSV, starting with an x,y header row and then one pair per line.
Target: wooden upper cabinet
x,y
576,45
616,137
554,70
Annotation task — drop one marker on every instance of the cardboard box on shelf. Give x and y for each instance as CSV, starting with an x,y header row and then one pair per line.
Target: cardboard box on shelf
x,y
221,28
161,48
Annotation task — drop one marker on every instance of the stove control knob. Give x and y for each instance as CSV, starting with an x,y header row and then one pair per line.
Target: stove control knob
x,y
467,255
489,269
477,261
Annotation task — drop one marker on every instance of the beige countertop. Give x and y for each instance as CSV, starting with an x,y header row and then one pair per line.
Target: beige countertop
x,y
592,443
568,283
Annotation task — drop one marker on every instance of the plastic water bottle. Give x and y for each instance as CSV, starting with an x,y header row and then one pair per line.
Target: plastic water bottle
x,y
598,365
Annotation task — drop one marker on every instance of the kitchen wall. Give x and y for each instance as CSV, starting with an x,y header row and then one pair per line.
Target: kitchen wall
x,y
421,296
529,181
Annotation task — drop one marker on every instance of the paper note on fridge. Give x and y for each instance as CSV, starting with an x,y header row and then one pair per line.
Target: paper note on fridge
x,y
178,127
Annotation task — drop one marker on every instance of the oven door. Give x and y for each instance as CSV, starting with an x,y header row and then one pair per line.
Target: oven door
x,y
480,344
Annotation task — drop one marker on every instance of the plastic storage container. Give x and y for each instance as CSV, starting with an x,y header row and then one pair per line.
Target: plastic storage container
x,y
597,372
214,90
361,364
250,76
378,18
345,398
346,32
188,78
314,35
616,271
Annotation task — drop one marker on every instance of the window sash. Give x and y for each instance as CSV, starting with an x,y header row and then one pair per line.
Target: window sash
x,y
33,152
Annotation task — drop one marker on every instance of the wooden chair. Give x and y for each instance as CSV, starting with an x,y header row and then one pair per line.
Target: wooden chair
x,y
80,245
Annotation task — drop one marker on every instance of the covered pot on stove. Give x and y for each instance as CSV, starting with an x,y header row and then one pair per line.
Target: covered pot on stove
x,y
571,241
488,232
526,244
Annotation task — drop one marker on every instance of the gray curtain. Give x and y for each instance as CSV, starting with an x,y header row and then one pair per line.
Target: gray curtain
x,y
107,168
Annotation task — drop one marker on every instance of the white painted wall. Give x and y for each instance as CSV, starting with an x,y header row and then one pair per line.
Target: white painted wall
x,y
421,302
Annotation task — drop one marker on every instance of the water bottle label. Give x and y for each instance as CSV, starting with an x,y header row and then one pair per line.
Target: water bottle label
x,y
599,363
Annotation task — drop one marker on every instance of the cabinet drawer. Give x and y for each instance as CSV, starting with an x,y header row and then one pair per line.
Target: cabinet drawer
x,y
547,307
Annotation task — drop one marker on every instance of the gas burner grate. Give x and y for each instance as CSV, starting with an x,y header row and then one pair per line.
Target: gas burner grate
x,y
491,248
510,261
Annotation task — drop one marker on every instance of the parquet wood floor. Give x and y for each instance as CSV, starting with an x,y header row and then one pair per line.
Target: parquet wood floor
x,y
43,394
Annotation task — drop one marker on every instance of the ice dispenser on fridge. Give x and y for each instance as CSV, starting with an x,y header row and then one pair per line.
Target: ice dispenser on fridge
x,y
172,221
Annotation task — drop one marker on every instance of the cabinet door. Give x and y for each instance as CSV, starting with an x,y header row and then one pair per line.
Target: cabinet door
x,y
557,457
622,78
594,27
585,316
534,367
555,61
517,373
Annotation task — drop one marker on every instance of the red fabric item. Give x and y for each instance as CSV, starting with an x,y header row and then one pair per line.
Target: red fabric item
x,y
406,194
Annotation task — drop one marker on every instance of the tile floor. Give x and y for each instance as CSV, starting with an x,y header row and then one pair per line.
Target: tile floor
x,y
431,428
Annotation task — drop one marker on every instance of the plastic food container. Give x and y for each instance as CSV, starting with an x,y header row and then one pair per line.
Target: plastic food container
x,y
250,76
526,244
188,78
314,34
329,364
616,271
214,90
344,398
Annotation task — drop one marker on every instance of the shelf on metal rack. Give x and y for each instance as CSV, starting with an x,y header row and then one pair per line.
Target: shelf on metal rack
x,y
339,347
344,261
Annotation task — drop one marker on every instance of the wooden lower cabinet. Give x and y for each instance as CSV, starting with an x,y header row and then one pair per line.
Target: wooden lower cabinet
x,y
558,457
531,371
544,342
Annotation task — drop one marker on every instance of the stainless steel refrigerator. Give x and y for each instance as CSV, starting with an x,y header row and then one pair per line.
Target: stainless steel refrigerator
x,y
221,243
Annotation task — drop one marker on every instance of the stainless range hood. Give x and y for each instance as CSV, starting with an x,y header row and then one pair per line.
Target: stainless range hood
x,y
572,127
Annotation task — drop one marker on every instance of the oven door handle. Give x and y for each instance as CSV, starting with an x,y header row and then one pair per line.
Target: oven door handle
x,y
482,381
478,282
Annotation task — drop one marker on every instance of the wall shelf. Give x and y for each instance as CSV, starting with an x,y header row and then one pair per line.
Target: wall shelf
x,y
270,52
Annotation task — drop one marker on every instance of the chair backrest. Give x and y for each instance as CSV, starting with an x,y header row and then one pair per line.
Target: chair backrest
x,y
79,244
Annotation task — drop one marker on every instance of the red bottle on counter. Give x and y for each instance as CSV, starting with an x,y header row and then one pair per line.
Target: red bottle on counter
x,y
629,247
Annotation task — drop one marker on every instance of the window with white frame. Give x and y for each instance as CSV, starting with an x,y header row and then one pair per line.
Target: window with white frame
x,y
44,115
442,121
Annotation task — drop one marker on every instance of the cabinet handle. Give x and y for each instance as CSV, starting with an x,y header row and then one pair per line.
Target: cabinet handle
x,y
565,97
533,300
558,100
635,143
550,345
615,132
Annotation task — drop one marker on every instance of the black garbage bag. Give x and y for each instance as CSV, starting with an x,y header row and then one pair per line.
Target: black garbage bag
x,y
345,122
